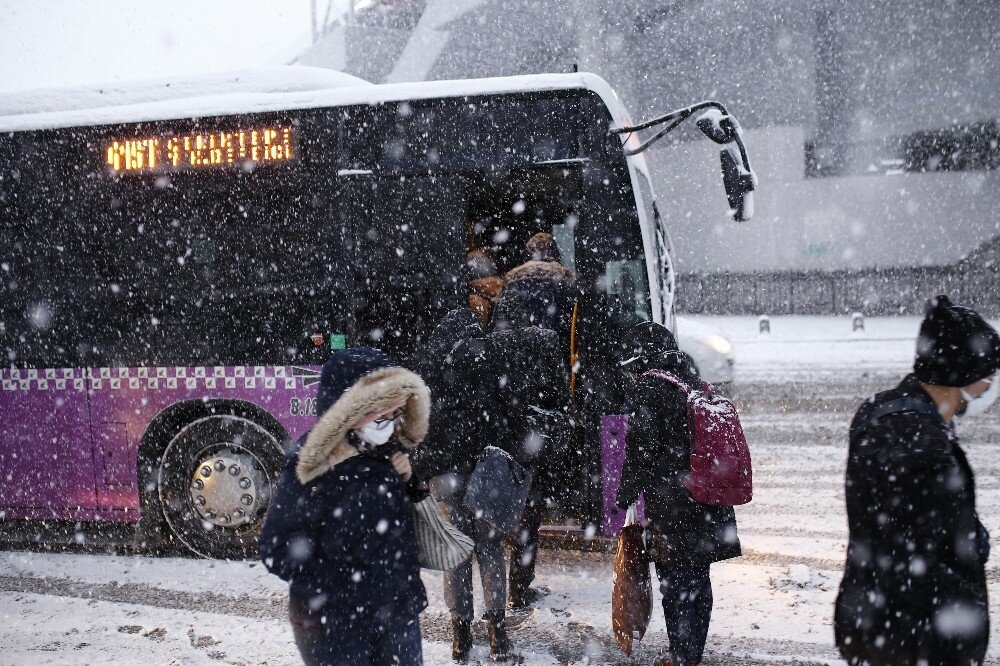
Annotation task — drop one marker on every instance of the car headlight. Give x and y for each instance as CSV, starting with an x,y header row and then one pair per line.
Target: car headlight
x,y
718,344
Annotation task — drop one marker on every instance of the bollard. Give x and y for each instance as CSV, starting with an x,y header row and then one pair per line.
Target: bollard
x,y
857,322
764,324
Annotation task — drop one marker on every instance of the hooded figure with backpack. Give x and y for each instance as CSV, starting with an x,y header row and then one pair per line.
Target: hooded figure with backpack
x,y
914,587
530,331
340,527
686,536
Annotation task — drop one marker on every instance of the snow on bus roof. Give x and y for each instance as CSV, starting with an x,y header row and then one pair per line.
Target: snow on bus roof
x,y
258,80
256,91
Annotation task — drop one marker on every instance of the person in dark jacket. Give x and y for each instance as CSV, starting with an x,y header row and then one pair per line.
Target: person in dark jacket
x,y
534,313
339,528
540,292
685,537
914,586
462,391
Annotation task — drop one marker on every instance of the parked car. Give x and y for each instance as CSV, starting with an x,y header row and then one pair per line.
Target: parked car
x,y
711,350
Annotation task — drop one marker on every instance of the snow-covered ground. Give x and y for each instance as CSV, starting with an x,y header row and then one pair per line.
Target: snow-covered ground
x,y
797,388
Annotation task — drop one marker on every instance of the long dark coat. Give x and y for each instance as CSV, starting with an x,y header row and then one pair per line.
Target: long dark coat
x,y
528,351
454,367
914,585
345,542
658,457
530,381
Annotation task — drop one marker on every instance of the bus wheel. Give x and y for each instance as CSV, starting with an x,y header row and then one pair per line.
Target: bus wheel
x,y
215,482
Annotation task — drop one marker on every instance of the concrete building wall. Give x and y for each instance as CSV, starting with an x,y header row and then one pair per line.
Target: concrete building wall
x,y
832,75
802,223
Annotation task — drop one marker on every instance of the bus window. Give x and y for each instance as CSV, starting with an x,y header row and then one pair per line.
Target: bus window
x,y
628,291
508,209
409,247
224,271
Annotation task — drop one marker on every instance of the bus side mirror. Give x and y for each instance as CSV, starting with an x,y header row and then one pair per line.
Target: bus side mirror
x,y
739,184
715,123
717,126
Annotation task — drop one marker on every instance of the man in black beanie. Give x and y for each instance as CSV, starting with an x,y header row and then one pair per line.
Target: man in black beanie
x,y
914,587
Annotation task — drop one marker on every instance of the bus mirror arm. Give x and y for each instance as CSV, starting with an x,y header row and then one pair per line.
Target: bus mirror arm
x,y
718,125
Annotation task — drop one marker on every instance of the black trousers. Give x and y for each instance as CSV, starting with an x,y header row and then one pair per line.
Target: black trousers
x,y
687,610
524,548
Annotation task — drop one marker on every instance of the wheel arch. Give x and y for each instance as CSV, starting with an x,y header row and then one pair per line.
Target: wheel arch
x,y
172,419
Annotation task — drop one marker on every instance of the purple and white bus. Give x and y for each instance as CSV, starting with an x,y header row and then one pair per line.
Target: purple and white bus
x,y
177,264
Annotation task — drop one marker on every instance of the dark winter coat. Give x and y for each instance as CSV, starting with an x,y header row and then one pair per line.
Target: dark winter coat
x,y
658,457
530,411
914,585
344,541
529,349
537,293
339,528
455,370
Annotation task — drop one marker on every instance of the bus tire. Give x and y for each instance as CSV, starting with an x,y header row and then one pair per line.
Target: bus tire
x,y
214,483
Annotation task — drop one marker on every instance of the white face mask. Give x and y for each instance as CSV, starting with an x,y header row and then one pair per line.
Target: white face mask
x,y
378,432
975,406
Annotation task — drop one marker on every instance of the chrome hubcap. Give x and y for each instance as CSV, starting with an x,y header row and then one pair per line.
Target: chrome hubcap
x,y
228,488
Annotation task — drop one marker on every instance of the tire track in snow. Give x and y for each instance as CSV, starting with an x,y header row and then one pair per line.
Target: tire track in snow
x,y
571,642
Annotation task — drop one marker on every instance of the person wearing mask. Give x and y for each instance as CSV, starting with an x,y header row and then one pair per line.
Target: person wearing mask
x,y
540,293
340,528
914,586
685,537
461,388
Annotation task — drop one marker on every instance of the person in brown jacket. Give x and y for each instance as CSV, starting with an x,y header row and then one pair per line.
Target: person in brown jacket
x,y
486,286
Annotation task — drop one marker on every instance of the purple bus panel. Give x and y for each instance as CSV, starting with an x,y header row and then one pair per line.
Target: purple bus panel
x,y
613,430
69,438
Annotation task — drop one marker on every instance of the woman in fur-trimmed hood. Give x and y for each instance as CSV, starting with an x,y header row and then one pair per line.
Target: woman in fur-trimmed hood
x,y
339,528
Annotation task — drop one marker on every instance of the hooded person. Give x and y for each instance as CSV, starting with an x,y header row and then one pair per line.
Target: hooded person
x,y
340,529
529,336
685,537
540,292
914,586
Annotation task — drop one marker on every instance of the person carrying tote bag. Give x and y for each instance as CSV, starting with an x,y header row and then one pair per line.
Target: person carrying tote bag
x,y
340,528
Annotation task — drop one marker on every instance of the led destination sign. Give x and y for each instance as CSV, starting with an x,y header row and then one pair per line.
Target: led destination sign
x,y
201,150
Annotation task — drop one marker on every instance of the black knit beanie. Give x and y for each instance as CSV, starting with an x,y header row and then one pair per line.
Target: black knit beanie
x,y
956,347
344,369
643,344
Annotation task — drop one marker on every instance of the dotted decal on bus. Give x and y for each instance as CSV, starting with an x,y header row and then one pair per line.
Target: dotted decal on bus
x,y
265,377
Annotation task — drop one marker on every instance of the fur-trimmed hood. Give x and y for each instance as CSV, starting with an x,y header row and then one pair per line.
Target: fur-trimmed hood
x,y
541,270
326,446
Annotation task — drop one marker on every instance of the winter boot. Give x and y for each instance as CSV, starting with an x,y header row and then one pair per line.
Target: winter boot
x,y
522,598
461,644
500,646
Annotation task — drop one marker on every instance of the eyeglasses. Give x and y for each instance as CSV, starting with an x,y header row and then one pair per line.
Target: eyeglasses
x,y
386,420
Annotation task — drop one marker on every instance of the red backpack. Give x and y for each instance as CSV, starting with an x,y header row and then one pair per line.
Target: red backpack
x,y
720,458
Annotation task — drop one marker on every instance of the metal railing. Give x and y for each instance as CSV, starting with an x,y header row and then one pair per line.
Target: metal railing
x,y
894,291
